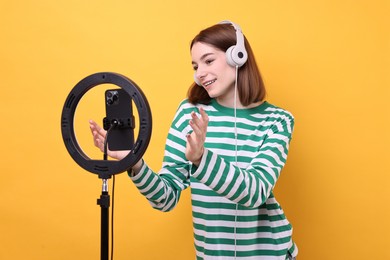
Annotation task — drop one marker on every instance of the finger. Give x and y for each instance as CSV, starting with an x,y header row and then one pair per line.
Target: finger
x,y
92,125
94,128
205,117
195,118
99,142
202,122
98,129
95,136
96,139
195,127
191,143
195,123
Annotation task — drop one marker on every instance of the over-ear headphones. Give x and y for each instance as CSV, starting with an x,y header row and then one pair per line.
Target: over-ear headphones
x,y
236,55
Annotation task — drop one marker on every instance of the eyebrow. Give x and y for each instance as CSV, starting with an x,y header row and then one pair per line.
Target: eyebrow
x,y
204,56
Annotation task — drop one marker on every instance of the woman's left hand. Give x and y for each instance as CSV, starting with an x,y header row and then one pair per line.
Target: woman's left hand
x,y
195,140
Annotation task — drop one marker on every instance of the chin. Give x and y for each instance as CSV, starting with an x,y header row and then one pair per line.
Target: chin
x,y
212,94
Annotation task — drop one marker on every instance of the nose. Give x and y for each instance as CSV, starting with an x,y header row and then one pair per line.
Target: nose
x,y
200,74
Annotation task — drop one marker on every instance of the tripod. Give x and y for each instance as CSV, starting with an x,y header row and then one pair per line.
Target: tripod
x,y
107,168
104,202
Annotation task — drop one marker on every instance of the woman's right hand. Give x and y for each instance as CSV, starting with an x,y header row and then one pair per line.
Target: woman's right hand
x,y
99,134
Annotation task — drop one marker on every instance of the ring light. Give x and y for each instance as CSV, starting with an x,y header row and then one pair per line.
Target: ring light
x,y
105,168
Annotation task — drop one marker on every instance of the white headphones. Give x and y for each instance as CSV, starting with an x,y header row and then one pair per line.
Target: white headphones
x,y
236,55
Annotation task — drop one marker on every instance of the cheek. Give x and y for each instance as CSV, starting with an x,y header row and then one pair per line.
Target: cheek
x,y
230,75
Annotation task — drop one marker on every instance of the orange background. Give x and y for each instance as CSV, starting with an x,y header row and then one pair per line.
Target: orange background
x,y
326,62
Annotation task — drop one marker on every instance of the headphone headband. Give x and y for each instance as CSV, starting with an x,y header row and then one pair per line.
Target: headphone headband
x,y
236,55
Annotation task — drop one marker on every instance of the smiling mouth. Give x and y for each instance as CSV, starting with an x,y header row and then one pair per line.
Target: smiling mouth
x,y
208,83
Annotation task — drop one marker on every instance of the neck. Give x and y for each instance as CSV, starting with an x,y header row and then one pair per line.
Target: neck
x,y
229,102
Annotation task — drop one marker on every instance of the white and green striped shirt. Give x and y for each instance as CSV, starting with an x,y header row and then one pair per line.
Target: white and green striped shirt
x,y
235,214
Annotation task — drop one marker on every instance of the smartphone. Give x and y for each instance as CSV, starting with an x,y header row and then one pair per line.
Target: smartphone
x,y
119,116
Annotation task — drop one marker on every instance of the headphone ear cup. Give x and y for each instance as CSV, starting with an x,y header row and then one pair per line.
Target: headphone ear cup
x,y
229,56
196,80
236,56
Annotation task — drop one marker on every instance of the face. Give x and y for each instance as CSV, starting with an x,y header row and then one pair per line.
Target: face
x,y
213,72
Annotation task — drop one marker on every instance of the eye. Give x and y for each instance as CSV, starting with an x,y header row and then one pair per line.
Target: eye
x,y
194,67
209,61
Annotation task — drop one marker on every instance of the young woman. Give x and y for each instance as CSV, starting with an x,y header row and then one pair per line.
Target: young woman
x,y
229,145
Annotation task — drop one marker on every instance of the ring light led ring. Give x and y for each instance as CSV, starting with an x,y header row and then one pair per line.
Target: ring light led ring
x,y
106,168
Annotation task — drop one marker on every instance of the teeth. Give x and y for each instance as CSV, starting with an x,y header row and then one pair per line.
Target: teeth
x,y
208,83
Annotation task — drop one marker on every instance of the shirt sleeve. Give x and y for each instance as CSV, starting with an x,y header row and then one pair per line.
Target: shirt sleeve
x,y
251,186
163,188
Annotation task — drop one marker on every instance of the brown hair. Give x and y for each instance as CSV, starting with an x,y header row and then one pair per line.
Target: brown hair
x,y
250,84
